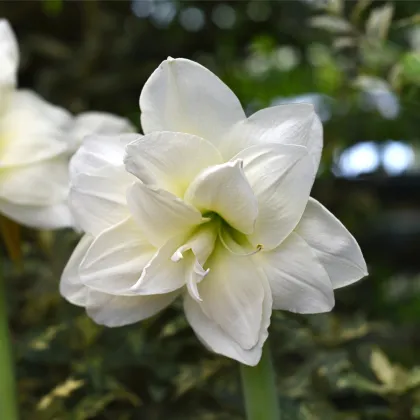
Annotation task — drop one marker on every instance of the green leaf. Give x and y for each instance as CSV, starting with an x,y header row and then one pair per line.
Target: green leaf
x,y
414,377
410,67
331,24
382,368
355,381
359,9
62,390
191,377
378,22
335,7
401,380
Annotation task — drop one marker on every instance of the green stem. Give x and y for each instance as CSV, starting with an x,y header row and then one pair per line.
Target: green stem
x,y
8,404
259,388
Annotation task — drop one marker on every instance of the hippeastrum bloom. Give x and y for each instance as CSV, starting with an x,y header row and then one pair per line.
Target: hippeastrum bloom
x,y
36,142
208,205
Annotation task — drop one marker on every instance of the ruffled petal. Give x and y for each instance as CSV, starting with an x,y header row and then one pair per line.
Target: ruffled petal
x,y
98,200
9,55
97,152
96,123
224,189
71,287
117,311
170,160
298,281
56,216
284,124
99,182
281,177
333,245
233,295
116,258
40,184
184,96
201,242
160,214
32,130
161,274
178,262
216,339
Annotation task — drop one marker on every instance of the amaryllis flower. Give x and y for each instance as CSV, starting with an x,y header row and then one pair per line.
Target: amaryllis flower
x,y
208,206
37,140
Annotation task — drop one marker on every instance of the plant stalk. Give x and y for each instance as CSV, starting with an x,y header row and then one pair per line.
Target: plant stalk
x,y
8,401
259,389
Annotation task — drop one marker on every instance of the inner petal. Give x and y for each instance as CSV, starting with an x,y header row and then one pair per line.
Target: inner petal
x,y
236,242
170,160
201,242
195,274
224,189
195,252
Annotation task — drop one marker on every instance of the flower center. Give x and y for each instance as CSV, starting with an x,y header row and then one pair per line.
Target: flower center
x,y
201,243
203,240
236,242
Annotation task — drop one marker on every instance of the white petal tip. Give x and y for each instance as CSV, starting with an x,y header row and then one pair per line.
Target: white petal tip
x,y
193,291
200,271
238,163
177,256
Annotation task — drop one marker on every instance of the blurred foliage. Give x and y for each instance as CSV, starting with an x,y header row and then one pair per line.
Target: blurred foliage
x,y
359,362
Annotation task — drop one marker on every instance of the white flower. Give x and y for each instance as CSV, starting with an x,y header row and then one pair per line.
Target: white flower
x,y
36,142
210,206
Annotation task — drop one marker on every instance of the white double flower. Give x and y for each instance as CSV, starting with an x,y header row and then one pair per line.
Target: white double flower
x,y
208,205
37,140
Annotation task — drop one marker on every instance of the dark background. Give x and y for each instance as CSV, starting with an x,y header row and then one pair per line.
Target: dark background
x,y
360,63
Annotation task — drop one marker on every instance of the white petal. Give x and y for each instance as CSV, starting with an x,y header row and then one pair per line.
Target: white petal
x,y
98,199
116,258
184,96
281,177
71,287
9,55
224,189
174,266
298,281
233,295
170,160
161,274
39,184
201,242
100,182
99,151
32,130
217,340
56,216
89,123
333,245
116,311
195,275
284,124
160,214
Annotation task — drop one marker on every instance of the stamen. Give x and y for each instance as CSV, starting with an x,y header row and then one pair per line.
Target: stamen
x,y
247,254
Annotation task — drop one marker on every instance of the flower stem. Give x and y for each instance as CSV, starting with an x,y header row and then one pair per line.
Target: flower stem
x,y
8,403
259,389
